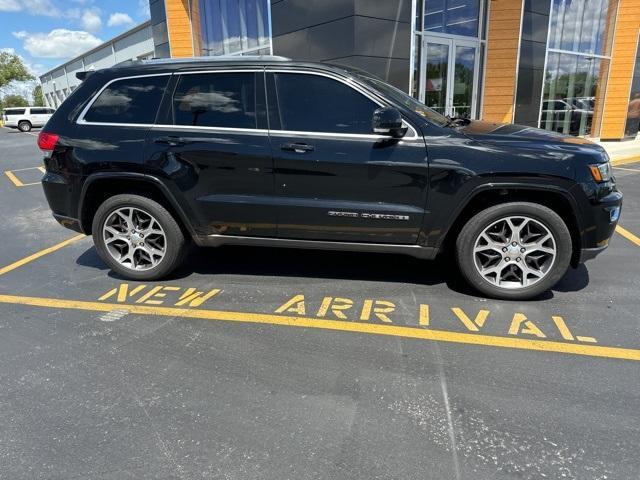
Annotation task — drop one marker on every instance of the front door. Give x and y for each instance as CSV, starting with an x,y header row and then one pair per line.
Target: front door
x,y
449,76
335,179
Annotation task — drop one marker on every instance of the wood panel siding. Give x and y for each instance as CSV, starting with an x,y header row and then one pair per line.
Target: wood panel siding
x,y
179,28
503,43
623,56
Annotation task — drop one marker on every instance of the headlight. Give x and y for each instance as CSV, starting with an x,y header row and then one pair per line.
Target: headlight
x,y
601,172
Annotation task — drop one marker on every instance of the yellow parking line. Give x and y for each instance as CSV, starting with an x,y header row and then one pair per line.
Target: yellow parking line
x,y
39,254
335,325
628,235
27,168
625,160
16,181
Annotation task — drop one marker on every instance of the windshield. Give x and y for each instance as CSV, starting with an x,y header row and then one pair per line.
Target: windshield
x,y
406,100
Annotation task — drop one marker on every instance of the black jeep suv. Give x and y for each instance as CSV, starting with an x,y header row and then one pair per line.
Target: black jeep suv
x,y
267,151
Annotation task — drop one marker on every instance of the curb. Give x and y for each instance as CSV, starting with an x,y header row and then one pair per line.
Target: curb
x,y
625,160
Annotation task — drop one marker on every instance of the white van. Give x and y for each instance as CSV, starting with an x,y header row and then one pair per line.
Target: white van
x,y
25,118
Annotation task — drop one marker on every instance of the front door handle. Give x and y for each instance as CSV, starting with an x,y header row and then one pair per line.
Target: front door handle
x,y
297,147
171,141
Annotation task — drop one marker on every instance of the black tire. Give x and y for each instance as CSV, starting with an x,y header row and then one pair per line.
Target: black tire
x,y
24,126
477,224
175,243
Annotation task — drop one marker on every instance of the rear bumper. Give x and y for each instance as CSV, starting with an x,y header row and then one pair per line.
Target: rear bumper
x,y
68,222
60,192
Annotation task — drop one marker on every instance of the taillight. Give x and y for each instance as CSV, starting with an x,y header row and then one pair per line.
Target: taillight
x,y
47,141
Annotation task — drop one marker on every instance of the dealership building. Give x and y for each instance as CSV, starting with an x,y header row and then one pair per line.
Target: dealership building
x,y
572,66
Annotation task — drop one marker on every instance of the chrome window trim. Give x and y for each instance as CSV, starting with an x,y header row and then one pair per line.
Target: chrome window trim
x,y
239,131
82,121
353,85
245,131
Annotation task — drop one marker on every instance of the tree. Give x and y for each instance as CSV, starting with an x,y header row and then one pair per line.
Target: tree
x,y
12,69
14,101
38,99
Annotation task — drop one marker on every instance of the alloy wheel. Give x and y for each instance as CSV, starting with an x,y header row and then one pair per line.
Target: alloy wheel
x,y
514,252
134,238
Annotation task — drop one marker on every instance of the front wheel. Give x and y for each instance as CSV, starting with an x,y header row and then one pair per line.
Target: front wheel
x,y
514,251
137,237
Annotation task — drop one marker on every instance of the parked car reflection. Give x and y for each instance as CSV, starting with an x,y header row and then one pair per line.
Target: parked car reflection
x,y
569,115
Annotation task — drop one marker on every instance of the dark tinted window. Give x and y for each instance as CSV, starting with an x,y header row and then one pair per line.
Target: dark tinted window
x,y
216,100
16,111
314,103
38,111
133,100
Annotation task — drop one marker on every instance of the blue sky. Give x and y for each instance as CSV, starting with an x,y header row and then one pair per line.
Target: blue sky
x,y
45,33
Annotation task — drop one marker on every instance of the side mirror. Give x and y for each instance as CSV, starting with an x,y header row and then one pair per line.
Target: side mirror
x,y
388,121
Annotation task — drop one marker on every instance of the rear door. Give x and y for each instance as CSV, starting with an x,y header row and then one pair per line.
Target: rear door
x,y
38,116
213,149
336,180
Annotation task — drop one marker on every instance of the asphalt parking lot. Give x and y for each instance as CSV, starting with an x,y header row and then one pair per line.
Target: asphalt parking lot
x,y
274,364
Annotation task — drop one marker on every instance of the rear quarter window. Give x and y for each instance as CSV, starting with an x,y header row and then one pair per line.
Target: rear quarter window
x,y
130,100
17,111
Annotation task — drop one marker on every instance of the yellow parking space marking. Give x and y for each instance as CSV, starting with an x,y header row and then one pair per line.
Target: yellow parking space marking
x,y
39,254
625,160
628,235
19,183
15,180
335,325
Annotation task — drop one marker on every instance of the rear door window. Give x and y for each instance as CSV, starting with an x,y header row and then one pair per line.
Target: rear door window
x,y
130,101
226,100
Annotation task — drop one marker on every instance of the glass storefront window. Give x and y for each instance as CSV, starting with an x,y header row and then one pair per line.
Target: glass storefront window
x,y
578,56
436,77
582,26
234,27
455,17
571,92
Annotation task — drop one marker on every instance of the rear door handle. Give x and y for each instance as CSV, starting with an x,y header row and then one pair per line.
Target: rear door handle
x,y
171,141
298,147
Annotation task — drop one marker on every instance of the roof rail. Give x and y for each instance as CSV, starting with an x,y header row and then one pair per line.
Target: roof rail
x,y
210,59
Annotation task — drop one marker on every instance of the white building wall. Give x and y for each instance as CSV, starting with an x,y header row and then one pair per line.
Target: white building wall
x,y
57,84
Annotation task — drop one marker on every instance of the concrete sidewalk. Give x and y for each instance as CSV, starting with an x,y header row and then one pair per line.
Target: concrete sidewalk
x,y
623,152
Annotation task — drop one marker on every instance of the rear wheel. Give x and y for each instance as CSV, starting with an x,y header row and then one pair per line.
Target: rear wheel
x,y
24,126
514,250
137,237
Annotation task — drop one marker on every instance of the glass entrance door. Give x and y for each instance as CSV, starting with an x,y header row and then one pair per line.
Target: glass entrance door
x,y
449,75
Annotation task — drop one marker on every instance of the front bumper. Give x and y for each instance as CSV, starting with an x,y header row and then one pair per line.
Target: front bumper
x,y
597,233
587,254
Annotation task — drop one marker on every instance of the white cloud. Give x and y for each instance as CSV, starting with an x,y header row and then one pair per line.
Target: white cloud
x,y
91,20
32,7
118,18
58,43
10,6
